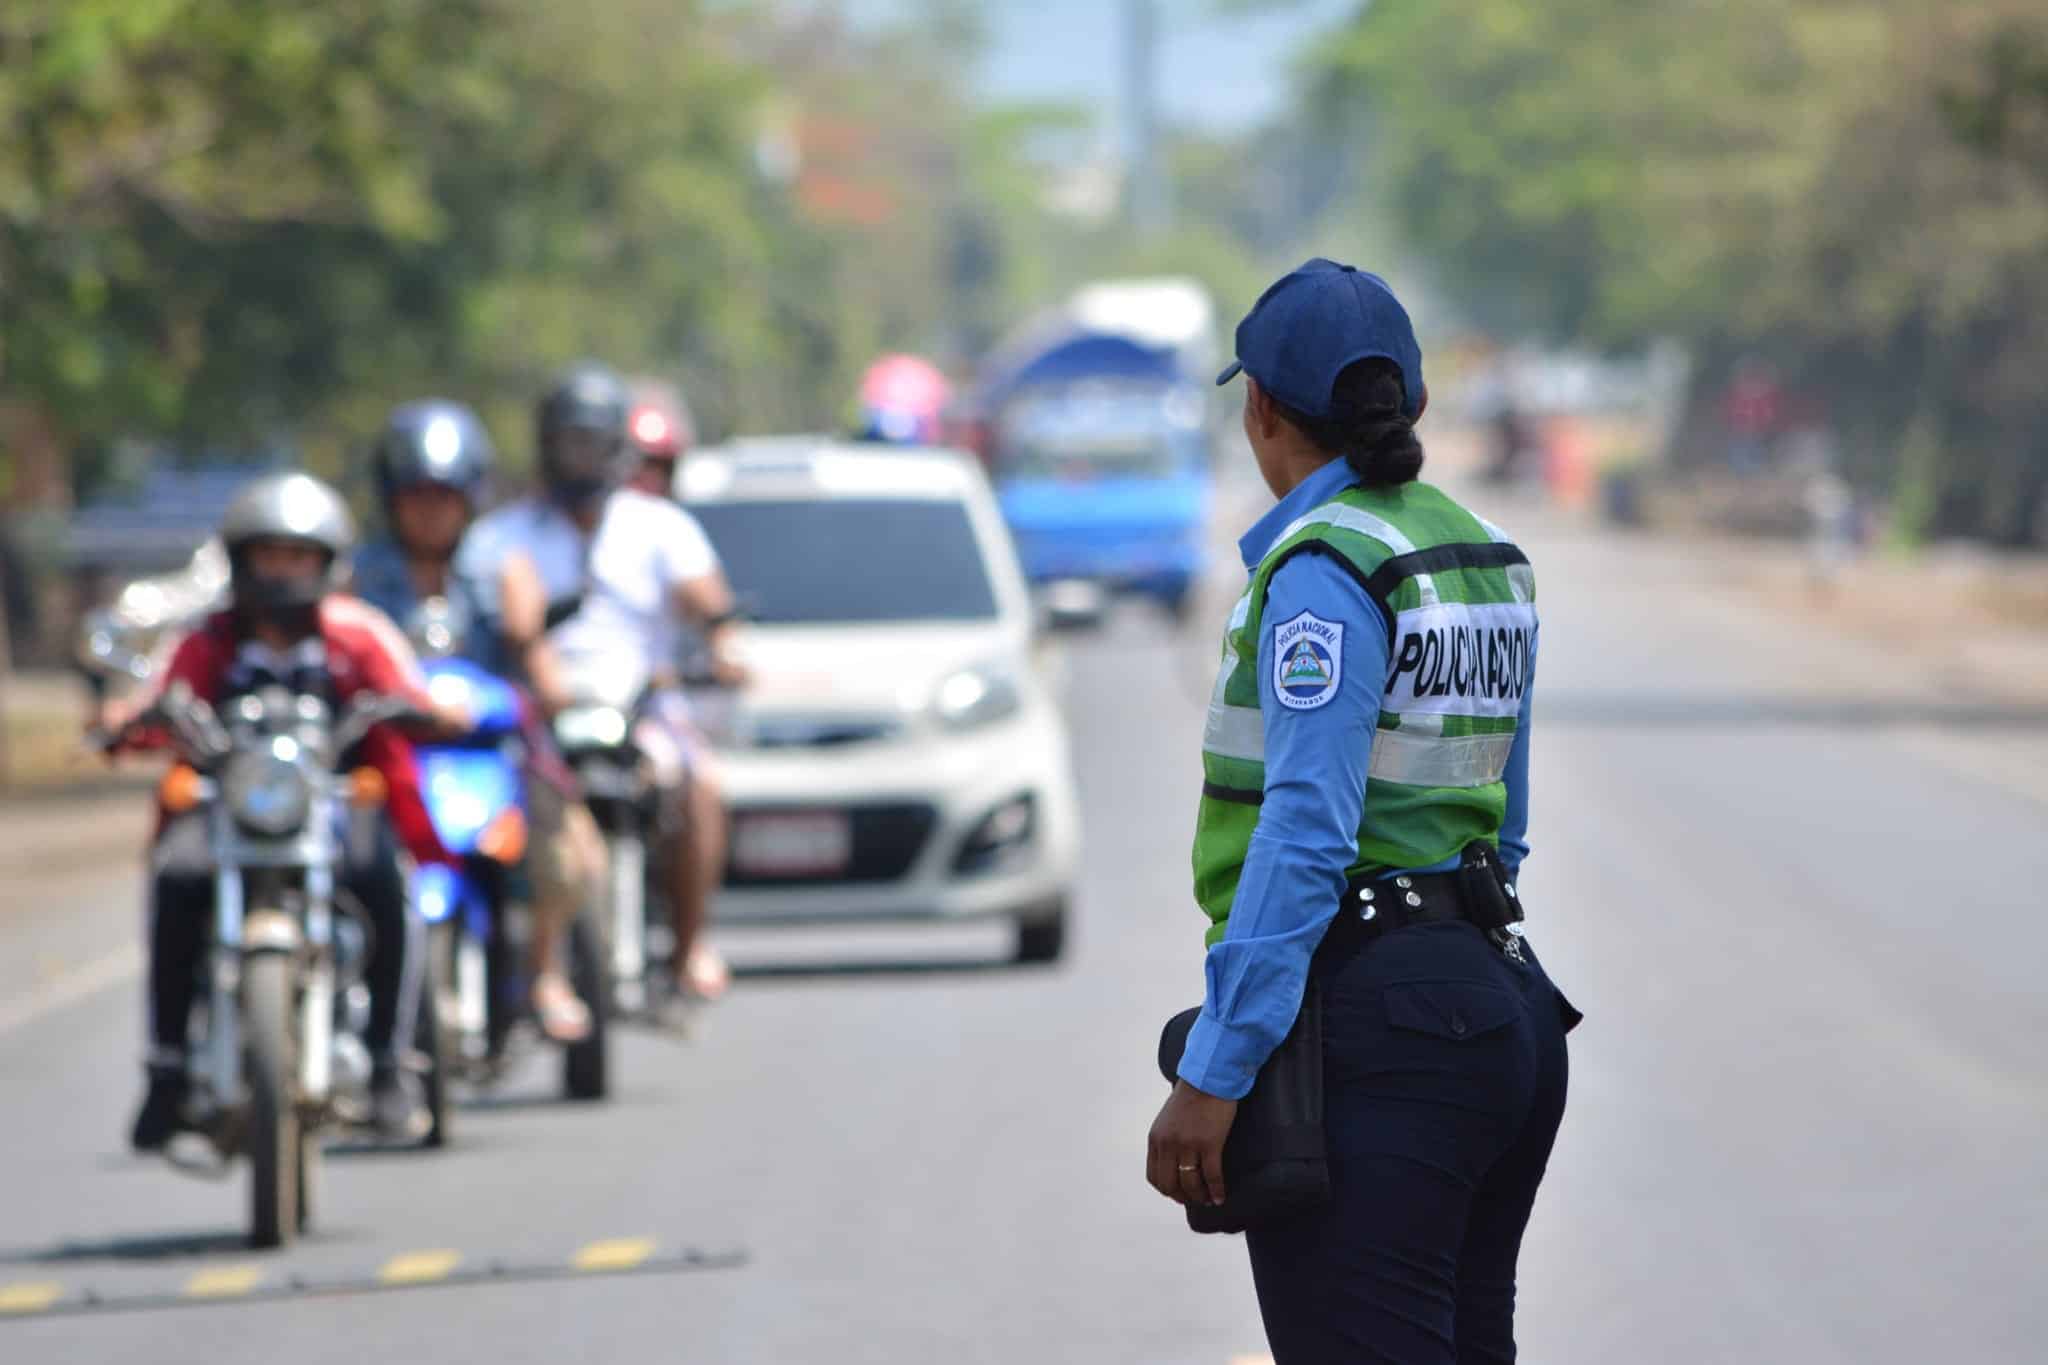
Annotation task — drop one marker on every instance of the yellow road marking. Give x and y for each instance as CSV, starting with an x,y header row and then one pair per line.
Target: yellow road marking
x,y
33,1297
622,1254
224,1283
419,1267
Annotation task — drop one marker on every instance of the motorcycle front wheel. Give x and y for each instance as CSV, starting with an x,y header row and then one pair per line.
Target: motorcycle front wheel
x,y
586,1066
435,1032
276,1157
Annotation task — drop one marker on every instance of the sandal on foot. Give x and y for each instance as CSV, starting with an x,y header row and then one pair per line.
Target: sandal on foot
x,y
563,1018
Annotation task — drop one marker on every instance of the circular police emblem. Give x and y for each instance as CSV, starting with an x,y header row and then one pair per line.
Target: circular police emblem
x,y
1308,661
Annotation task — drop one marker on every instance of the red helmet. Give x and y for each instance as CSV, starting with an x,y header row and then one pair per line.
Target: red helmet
x,y
654,433
903,400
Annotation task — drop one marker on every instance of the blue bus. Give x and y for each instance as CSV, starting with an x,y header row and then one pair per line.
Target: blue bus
x,y
1099,449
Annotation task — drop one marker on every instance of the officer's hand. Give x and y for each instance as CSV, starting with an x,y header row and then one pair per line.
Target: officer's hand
x,y
1184,1156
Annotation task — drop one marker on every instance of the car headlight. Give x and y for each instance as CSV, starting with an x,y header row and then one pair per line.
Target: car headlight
x,y
976,696
591,727
266,790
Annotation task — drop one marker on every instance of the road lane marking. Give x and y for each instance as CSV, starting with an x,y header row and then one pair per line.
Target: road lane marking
x,y
414,1272
68,988
419,1267
621,1254
33,1297
225,1283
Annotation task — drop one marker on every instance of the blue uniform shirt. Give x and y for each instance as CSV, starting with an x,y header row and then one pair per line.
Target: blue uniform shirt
x,y
1307,834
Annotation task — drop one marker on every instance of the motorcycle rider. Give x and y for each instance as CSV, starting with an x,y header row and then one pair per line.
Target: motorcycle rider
x,y
662,431
288,538
626,571
902,401
433,466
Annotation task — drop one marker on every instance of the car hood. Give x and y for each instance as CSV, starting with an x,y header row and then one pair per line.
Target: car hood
x,y
865,669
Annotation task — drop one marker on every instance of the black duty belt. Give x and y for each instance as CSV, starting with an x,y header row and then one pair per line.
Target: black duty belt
x,y
1477,892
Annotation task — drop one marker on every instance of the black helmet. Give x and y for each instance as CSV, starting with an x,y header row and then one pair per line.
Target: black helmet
x,y
289,507
590,399
434,442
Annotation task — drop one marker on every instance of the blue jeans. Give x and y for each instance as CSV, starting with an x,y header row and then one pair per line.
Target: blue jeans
x,y
1445,1083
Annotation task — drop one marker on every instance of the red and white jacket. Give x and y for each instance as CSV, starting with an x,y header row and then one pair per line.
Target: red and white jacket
x,y
365,652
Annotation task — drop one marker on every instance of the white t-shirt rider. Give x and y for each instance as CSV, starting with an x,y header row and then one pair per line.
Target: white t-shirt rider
x,y
626,573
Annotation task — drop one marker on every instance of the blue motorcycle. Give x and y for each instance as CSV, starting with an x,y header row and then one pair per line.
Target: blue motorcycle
x,y
479,923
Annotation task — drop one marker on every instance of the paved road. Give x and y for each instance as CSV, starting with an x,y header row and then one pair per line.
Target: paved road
x,y
1793,882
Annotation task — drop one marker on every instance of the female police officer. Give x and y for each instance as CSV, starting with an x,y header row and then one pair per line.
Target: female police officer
x,y
1363,808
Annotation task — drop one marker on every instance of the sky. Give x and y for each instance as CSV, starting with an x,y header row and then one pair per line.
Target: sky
x,y
1216,72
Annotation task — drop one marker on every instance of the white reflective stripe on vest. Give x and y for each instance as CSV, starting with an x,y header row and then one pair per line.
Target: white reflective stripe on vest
x,y
1235,732
1415,757
1238,615
1521,578
1365,524
1434,761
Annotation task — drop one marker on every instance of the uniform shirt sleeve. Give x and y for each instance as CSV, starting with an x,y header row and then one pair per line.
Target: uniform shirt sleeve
x,y
1514,828
1317,757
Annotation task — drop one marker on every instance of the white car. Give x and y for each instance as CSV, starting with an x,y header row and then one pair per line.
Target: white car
x,y
897,753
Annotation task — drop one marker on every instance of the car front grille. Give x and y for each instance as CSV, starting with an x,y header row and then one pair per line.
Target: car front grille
x,y
819,732
887,838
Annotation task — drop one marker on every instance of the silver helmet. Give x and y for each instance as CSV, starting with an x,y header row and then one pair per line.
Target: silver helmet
x,y
296,508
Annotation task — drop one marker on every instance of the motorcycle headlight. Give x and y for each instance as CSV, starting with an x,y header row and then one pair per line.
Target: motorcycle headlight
x,y
266,790
591,727
452,690
976,696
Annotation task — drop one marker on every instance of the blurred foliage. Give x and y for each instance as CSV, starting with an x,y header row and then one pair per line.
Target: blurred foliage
x,y
1851,189
223,220
225,223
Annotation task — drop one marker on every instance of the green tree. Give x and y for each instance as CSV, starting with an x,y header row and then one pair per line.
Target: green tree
x,y
1747,175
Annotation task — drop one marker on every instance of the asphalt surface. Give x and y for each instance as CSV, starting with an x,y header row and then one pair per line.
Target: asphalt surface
x,y
1794,882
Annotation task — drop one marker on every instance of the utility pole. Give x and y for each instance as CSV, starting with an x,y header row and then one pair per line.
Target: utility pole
x,y
1146,195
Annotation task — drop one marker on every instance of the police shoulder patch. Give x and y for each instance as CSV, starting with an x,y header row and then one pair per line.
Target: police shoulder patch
x,y
1308,661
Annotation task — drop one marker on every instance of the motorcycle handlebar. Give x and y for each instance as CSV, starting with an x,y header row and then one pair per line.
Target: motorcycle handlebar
x,y
365,713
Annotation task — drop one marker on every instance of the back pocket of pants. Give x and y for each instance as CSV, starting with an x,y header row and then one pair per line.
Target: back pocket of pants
x,y
1456,1010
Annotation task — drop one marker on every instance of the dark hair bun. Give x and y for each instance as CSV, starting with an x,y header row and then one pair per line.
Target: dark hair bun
x,y
1378,439
1367,424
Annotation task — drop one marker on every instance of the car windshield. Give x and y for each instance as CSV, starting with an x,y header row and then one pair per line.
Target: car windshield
x,y
848,560
1096,433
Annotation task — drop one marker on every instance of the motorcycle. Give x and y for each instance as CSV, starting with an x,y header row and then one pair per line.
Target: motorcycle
x,y
596,736
479,923
282,1003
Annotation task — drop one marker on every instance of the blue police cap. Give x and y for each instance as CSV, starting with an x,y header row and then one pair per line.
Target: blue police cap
x,y
1316,320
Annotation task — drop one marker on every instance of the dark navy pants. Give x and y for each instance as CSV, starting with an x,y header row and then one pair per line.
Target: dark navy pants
x,y
1445,1067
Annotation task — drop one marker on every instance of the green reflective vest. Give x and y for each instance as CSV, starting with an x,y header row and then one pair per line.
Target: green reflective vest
x,y
1460,601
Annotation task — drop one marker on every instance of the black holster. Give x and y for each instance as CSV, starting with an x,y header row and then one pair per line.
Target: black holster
x,y
1275,1162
